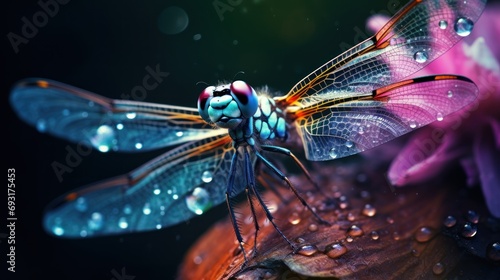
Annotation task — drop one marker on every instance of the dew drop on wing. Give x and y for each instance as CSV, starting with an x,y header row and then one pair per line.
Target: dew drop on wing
x,y
123,223
450,221
146,210
443,24
81,204
104,138
463,26
96,221
198,201
421,56
206,176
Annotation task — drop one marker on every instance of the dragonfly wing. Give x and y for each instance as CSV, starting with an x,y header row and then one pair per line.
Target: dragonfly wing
x,y
414,37
172,188
355,125
119,125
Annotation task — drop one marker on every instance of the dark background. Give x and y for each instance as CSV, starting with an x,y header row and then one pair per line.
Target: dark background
x,y
104,47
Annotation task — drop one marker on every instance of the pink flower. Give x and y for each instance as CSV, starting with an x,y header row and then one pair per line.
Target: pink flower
x,y
470,137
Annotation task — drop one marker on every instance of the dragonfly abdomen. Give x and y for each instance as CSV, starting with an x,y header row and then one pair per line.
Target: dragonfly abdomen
x,y
269,122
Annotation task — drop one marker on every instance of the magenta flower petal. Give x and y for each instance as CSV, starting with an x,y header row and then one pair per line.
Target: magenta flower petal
x,y
424,156
487,157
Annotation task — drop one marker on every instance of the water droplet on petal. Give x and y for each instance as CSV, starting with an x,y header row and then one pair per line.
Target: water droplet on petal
x,y
463,26
122,223
438,268
439,117
443,24
307,250
355,231
335,250
472,216
374,235
449,94
421,56
294,219
198,260
96,221
81,204
206,176
198,201
313,227
412,124
450,221
369,210
493,251
469,230
424,234
351,217
333,154
146,209
41,125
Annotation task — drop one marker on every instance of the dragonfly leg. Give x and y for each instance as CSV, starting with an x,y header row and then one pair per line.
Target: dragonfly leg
x,y
294,190
250,179
229,190
250,175
287,152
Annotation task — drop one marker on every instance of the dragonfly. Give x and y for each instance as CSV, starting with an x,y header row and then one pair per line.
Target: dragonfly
x,y
360,99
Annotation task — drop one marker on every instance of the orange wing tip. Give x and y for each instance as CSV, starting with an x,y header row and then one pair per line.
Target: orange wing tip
x,y
42,83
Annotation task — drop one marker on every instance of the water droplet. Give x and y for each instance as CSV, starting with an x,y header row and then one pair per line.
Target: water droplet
x,y
83,233
58,230
390,220
104,138
351,217
131,116
439,117
179,133
294,219
81,204
463,26
374,235
127,209
438,268
173,20
96,221
156,189
469,230
146,209
349,239
198,260
307,250
122,223
85,114
395,235
300,240
41,125
424,234
313,227
412,124
197,37
198,201
335,250
355,231
449,94
472,216
119,126
333,154
449,221
138,145
421,56
493,251
158,226
369,210
443,24
361,130
349,144
206,176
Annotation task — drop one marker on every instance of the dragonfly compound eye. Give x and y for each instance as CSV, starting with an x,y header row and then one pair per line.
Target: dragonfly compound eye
x,y
246,98
204,101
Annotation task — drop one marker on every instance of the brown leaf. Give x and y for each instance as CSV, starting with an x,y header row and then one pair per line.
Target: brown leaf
x,y
375,230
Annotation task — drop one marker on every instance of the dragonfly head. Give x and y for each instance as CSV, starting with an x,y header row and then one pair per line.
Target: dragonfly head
x,y
228,105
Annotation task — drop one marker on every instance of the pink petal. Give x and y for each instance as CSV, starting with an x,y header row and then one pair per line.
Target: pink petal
x,y
487,158
425,155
